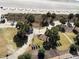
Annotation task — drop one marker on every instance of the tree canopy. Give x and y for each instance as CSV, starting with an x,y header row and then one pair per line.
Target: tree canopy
x,y
44,22
53,37
76,23
21,37
77,39
53,15
41,53
70,16
48,14
19,25
25,56
30,18
73,50
77,15
63,20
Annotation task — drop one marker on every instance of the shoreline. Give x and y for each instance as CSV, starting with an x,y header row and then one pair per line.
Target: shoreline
x,y
6,10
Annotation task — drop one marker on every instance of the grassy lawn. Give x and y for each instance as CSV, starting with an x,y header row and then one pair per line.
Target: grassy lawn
x,y
64,42
71,35
6,40
3,47
37,41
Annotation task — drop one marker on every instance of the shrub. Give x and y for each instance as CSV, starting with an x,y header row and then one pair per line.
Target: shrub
x,y
75,31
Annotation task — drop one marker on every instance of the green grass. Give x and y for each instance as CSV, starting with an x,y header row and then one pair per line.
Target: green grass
x,y
6,38
8,34
37,41
3,47
64,42
71,35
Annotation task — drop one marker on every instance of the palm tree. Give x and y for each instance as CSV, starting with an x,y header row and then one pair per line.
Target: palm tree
x,y
62,20
70,16
52,18
53,37
44,22
77,16
77,39
53,15
73,50
48,14
46,19
19,25
30,18
20,38
48,32
46,45
41,53
76,24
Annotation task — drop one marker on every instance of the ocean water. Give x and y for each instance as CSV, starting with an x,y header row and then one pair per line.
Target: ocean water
x,y
38,6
